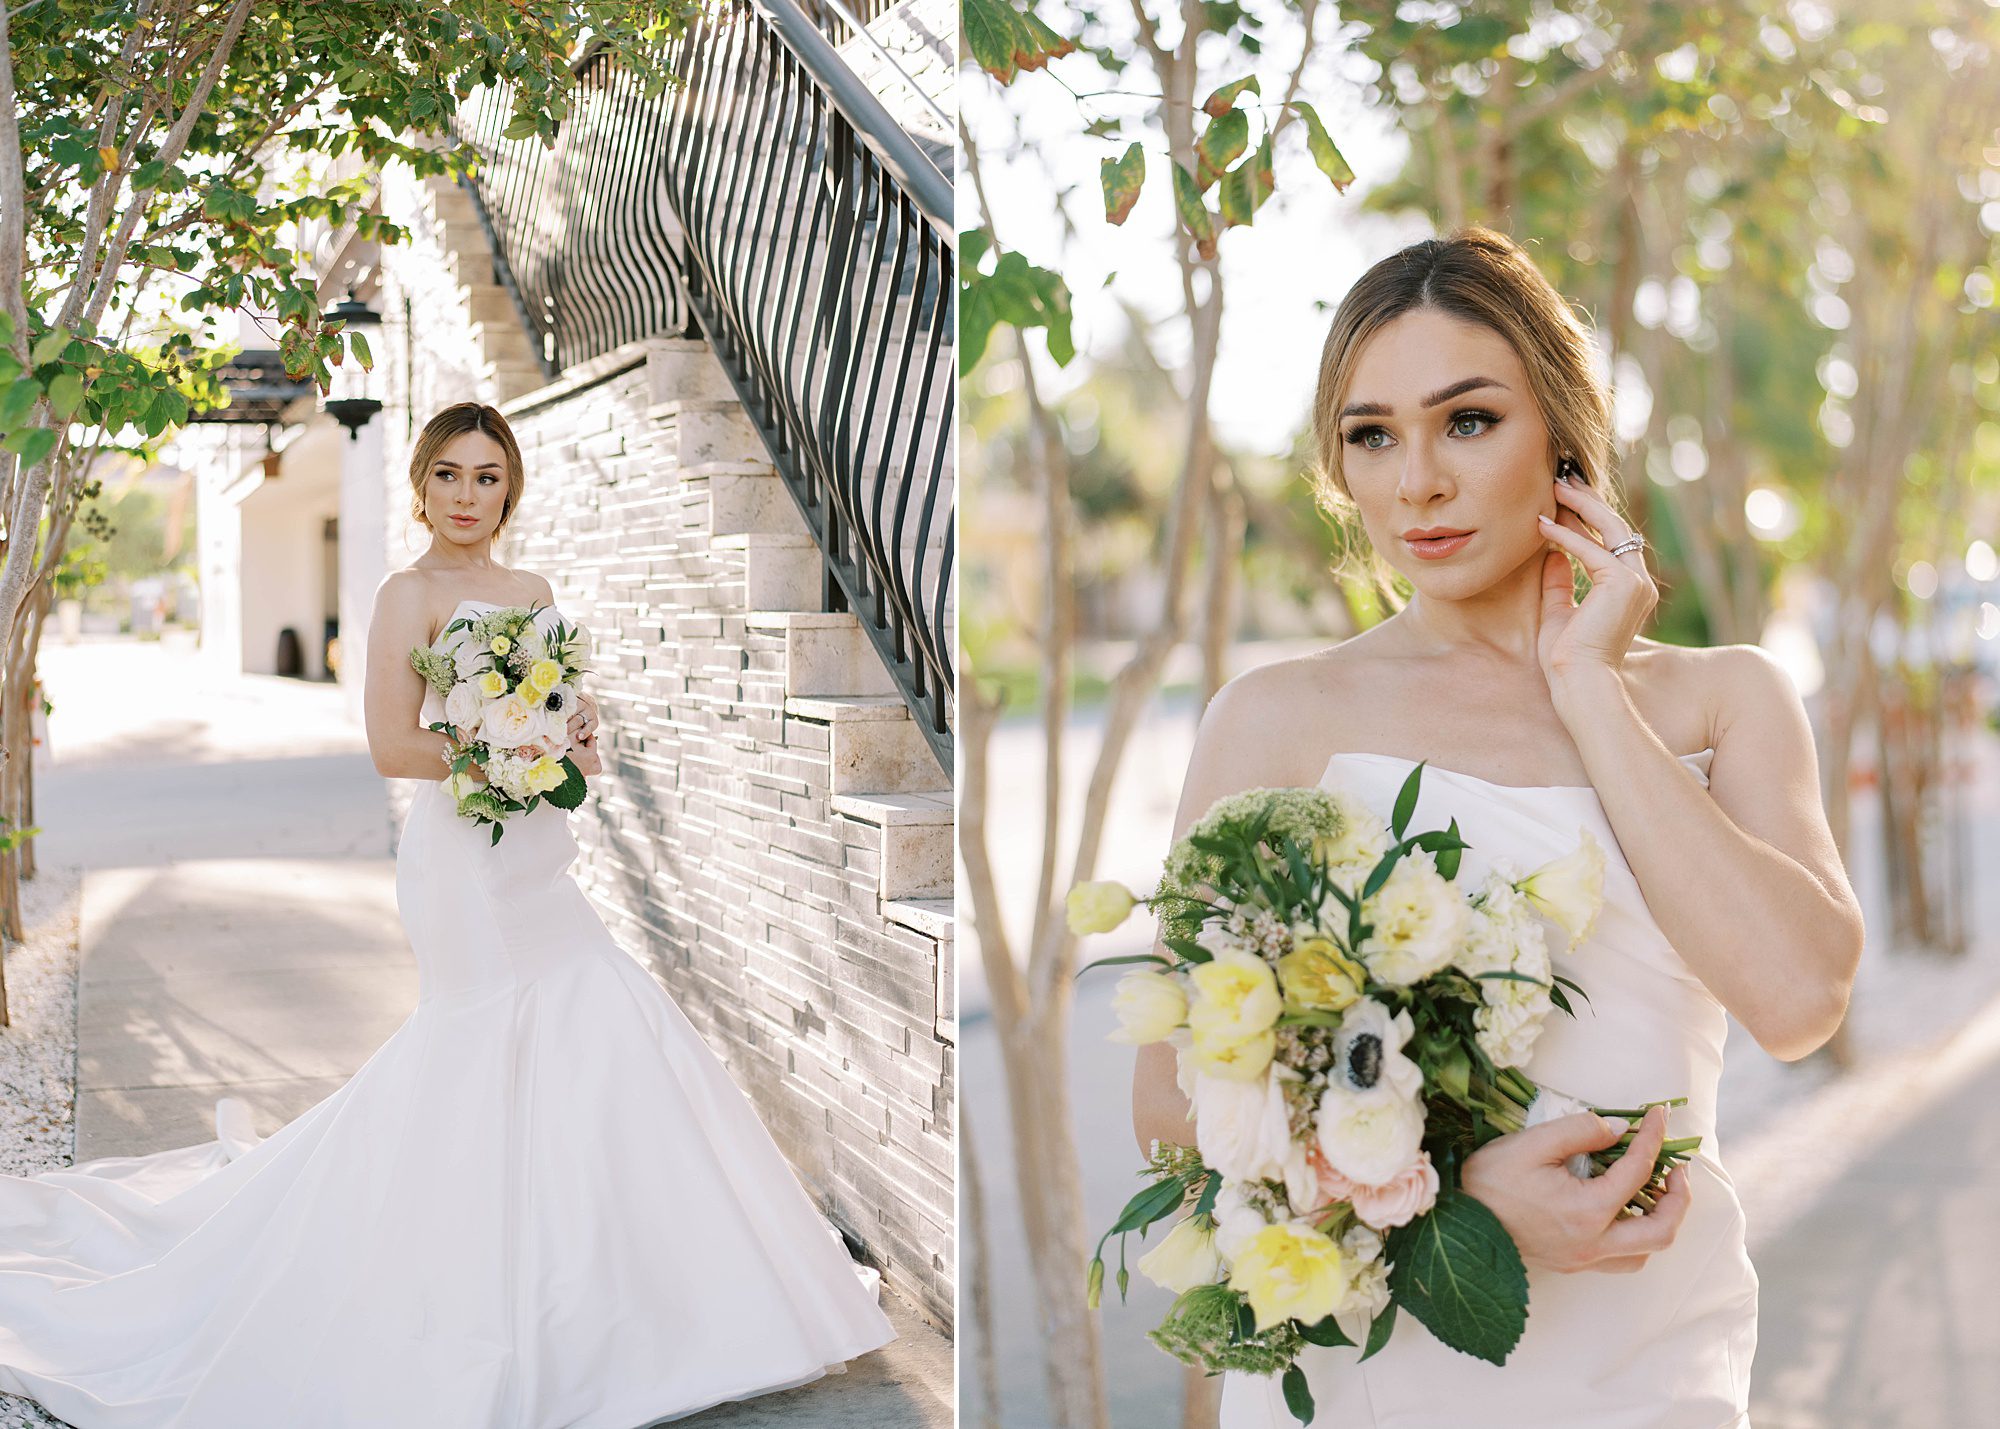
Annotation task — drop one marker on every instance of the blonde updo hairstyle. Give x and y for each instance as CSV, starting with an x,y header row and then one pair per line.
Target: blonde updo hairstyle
x,y
458,418
1479,276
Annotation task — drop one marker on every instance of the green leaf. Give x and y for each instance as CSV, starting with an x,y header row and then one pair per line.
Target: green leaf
x,y
1298,1397
48,347
570,793
1326,1334
1380,1329
1220,145
32,445
1193,213
972,246
359,346
19,402
521,126
1245,187
1122,179
1447,858
1126,958
1458,1272
1406,800
1005,41
1156,1202
66,394
1224,99
1322,148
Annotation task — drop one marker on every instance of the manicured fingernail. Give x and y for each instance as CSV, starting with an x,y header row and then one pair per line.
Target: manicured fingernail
x,y
1543,519
1614,1125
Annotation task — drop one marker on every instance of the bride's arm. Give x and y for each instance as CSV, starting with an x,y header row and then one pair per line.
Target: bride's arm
x,y
1236,747
394,692
1744,878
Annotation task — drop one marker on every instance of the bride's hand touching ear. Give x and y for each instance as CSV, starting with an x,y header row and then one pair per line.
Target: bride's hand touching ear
x,y
1596,633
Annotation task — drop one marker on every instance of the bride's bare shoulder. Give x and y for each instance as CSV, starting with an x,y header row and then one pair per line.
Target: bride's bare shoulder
x,y
538,583
1267,724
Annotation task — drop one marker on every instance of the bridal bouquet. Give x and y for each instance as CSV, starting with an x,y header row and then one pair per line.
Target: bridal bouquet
x,y
509,691
1349,1023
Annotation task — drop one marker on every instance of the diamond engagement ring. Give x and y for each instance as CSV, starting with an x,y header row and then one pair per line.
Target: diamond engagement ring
x,y
1633,542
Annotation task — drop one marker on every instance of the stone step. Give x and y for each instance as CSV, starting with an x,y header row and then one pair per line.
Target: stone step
x,y
515,378
930,916
489,304
875,746
828,655
746,498
781,570
916,839
685,369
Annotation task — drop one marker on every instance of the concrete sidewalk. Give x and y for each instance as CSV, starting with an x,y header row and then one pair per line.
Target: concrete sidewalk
x,y
240,935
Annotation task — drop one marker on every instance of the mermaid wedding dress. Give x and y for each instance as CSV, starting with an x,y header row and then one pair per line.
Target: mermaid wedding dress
x,y
541,1204
1665,1347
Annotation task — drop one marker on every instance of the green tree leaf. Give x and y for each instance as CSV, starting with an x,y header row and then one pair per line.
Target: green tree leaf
x,y
1193,213
66,394
1122,180
1220,145
1005,41
32,445
1322,148
1224,99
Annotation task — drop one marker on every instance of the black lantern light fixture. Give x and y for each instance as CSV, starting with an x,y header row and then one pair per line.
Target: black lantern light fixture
x,y
351,401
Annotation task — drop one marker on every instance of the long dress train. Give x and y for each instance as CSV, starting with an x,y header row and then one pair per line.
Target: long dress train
x,y
1666,1347
541,1204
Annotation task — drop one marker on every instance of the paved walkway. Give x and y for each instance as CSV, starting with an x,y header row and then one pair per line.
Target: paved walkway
x,y
240,934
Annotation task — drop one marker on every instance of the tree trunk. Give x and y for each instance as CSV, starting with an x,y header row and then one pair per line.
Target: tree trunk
x,y
985,1411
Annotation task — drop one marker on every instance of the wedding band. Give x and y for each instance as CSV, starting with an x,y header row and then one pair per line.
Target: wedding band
x,y
1633,542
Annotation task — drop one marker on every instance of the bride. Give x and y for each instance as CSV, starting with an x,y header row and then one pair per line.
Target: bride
x,y
1461,421
542,1204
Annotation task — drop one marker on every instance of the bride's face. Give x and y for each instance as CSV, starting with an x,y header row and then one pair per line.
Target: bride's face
x,y
466,488
1440,429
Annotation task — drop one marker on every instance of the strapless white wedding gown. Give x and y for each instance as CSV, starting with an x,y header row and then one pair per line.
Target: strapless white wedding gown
x,y
541,1204
1665,1347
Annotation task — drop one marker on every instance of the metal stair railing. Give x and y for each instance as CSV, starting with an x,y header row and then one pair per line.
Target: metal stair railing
x,y
768,203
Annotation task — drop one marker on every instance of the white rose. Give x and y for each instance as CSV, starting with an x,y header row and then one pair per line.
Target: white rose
x,y
1149,1007
1236,1221
1185,1259
1242,1128
510,721
464,704
469,660
1418,919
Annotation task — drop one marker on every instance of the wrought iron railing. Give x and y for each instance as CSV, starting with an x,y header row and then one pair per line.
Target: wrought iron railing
x,y
767,201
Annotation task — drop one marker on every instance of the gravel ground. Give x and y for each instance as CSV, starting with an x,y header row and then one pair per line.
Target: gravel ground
x,y
38,1055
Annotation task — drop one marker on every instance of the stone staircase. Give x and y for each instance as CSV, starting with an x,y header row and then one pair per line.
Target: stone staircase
x,y
884,781
505,360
